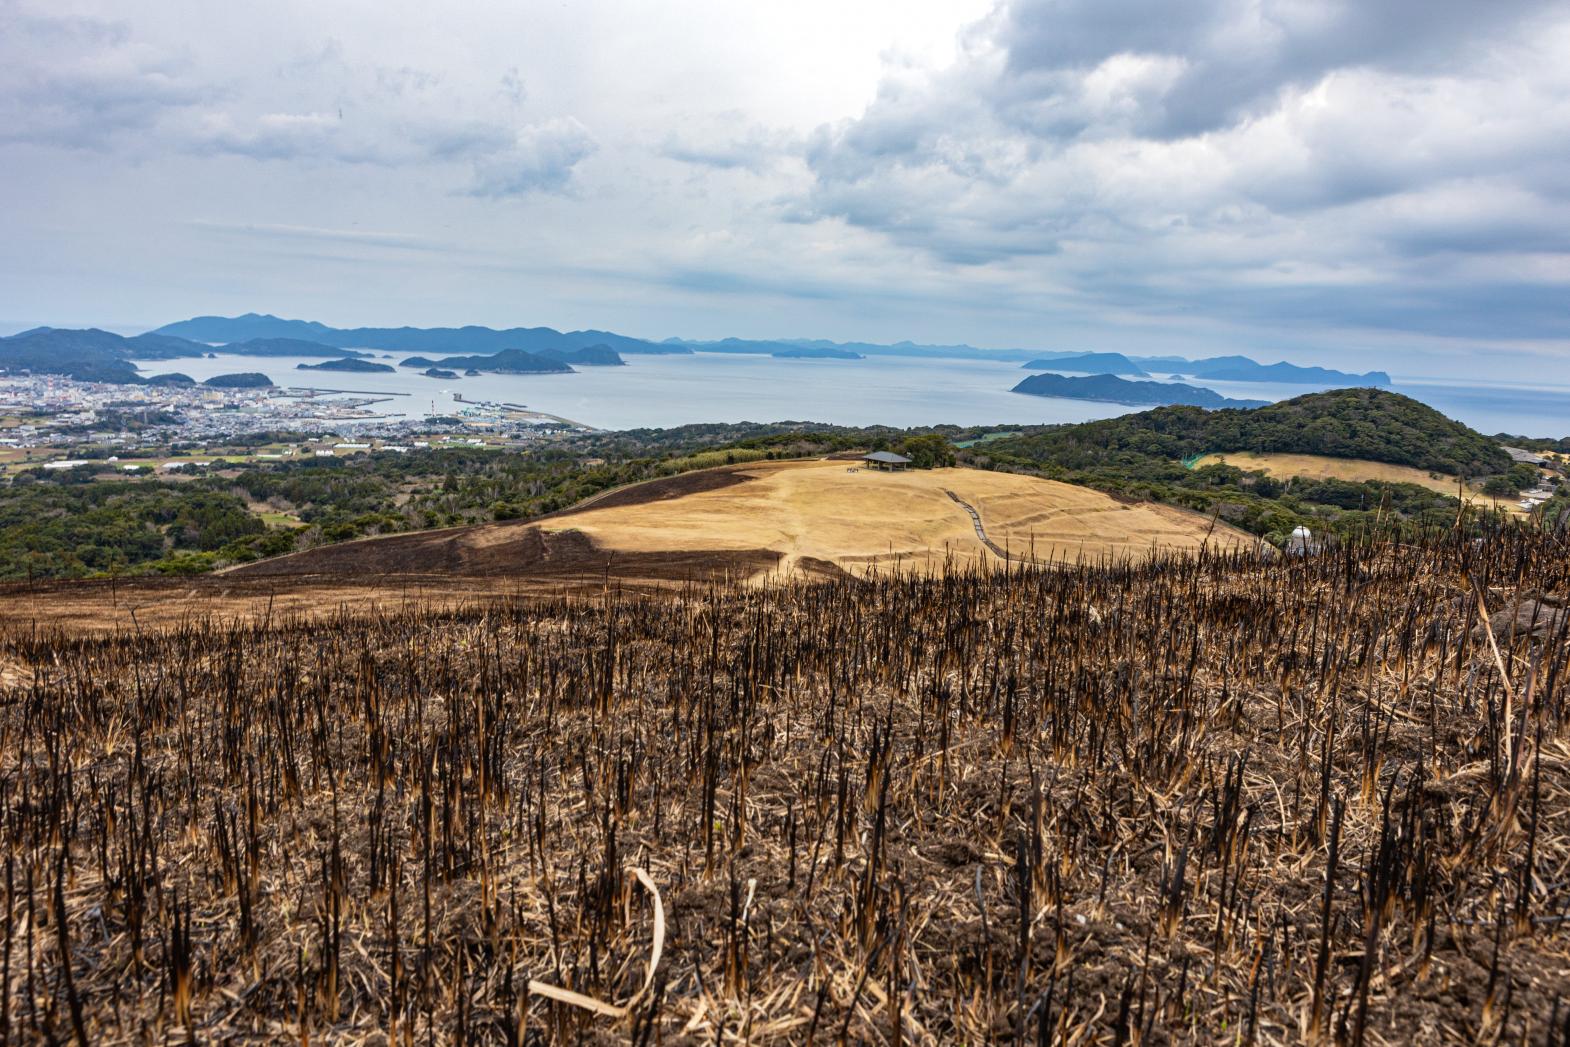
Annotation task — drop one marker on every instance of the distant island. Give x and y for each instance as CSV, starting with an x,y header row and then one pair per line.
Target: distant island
x,y
472,339
437,372
287,347
173,378
1112,389
347,363
242,380
588,356
508,361
1090,363
803,352
1243,369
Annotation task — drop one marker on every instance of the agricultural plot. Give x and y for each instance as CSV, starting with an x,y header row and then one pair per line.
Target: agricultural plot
x,y
1319,467
1195,799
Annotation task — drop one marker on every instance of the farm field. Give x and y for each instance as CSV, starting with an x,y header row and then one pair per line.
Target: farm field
x,y
1319,467
1195,800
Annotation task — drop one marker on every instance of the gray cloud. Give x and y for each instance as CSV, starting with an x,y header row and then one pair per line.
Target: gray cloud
x,y
1181,175
1238,152
90,84
81,83
731,144
541,158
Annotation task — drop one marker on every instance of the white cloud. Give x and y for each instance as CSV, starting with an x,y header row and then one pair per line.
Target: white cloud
x,y
1128,173
541,158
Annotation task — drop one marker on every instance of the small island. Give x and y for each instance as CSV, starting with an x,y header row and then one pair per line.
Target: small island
x,y
241,380
286,347
1091,363
1243,369
508,361
173,378
1112,389
346,364
437,372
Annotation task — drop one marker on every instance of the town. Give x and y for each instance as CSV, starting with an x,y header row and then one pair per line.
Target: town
x,y
61,423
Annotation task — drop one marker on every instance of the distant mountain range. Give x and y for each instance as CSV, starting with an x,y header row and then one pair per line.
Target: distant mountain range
x,y
1112,389
453,340
94,355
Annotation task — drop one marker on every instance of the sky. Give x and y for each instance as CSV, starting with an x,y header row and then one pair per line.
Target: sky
x,y
1373,182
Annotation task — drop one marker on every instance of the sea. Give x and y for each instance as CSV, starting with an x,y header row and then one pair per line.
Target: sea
x,y
671,390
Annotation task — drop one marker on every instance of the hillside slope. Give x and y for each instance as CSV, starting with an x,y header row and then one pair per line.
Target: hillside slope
x,y
1370,424
787,517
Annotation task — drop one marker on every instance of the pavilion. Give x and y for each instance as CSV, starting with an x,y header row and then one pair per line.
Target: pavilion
x,y
886,460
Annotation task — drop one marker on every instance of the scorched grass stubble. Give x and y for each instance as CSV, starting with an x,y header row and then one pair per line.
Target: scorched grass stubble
x,y
1183,800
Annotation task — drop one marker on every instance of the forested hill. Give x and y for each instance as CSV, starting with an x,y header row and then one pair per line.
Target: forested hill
x,y
1370,424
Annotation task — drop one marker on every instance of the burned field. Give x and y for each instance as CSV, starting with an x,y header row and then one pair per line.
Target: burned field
x,y
1189,800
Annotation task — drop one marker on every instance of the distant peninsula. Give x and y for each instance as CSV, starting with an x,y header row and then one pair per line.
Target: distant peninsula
x,y
87,355
588,356
242,380
1090,363
508,361
1112,389
347,363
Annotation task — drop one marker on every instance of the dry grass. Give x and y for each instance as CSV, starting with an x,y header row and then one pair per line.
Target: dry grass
x,y
861,520
1197,800
1318,467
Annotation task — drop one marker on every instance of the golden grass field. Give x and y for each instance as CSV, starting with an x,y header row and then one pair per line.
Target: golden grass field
x,y
1318,467
755,522
858,519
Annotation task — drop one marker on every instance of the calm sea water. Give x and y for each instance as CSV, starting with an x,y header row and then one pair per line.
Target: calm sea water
x,y
664,391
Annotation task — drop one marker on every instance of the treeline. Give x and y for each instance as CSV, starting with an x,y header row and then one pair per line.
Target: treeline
x,y
75,527
1368,424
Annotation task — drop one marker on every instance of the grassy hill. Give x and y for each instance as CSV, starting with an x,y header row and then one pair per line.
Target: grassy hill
x,y
1369,424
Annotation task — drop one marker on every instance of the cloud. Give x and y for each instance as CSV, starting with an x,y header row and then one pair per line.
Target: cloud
x,y
315,234
81,83
92,84
1232,155
541,158
731,143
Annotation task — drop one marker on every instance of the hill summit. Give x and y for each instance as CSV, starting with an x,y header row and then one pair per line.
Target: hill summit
x,y
1371,424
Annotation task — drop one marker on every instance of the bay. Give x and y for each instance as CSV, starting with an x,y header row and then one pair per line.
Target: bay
x,y
666,391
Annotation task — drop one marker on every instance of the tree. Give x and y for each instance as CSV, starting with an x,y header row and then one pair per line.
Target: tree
x,y
929,451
